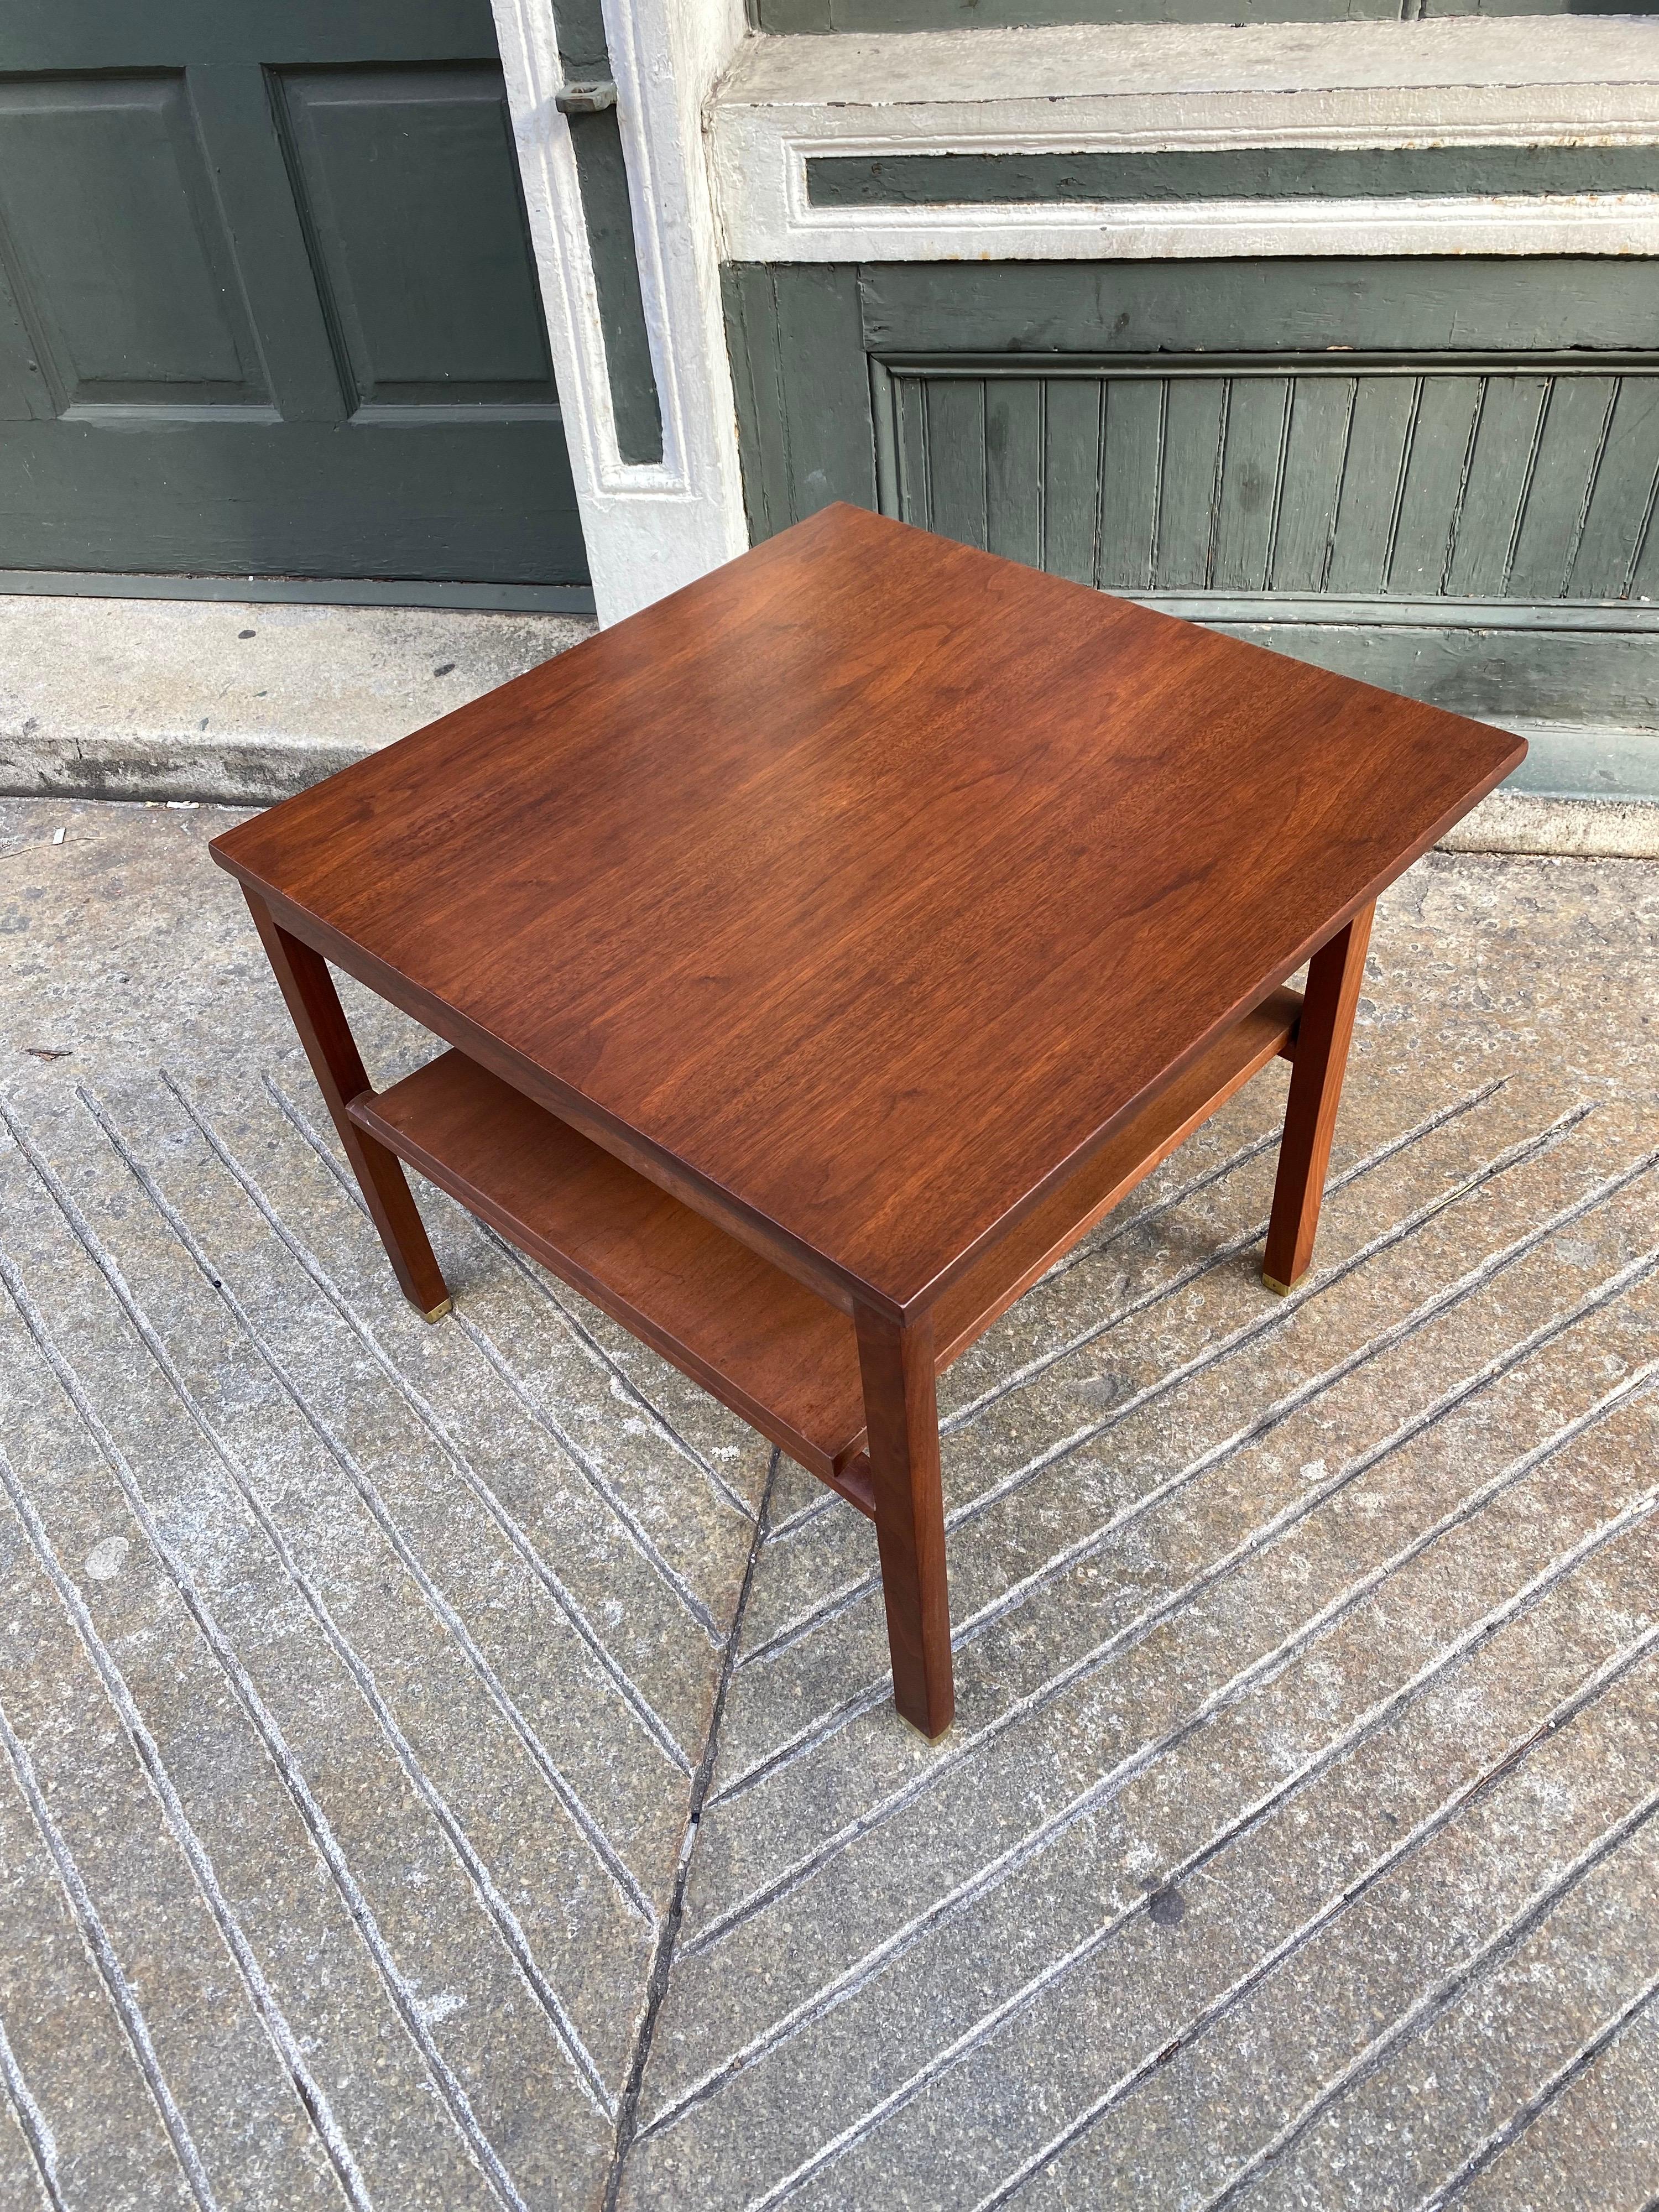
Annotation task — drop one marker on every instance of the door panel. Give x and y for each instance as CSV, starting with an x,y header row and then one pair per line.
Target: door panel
x,y
110,34
267,300
218,499
407,182
118,255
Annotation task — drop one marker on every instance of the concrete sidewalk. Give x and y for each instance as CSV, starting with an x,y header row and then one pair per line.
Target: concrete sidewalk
x,y
452,1767
243,702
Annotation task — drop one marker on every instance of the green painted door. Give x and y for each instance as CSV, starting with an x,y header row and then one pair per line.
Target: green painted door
x,y
267,301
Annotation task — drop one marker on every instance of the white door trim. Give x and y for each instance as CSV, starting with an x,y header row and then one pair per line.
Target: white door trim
x,y
649,527
1128,86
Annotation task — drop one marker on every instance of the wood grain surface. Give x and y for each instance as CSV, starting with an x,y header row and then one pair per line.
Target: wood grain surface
x,y
329,1045
1336,975
859,891
901,1402
774,1352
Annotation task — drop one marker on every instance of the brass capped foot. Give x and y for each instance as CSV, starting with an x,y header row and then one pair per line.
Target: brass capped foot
x,y
437,1312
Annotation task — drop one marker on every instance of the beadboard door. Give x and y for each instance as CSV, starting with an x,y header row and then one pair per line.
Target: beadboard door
x,y
1438,474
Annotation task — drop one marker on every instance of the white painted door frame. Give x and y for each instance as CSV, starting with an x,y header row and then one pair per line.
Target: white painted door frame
x,y
649,527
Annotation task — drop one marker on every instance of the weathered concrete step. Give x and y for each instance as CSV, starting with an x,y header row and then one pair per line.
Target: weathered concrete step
x,y
236,701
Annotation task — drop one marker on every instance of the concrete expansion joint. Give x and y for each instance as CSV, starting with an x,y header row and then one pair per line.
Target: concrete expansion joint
x,y
662,1964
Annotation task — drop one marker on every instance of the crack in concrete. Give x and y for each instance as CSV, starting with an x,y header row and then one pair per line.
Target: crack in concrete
x,y
657,1989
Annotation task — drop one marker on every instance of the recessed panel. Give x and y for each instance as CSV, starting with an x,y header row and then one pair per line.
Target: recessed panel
x,y
124,275
1450,482
1278,173
408,185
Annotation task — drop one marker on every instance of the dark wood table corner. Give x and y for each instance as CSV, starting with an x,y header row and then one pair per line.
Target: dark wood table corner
x,y
822,952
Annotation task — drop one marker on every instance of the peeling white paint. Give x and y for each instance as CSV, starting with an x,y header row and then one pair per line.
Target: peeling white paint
x,y
1144,87
649,527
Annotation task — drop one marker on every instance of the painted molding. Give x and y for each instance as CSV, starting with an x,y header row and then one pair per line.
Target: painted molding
x,y
1624,617
649,527
1319,173
1157,87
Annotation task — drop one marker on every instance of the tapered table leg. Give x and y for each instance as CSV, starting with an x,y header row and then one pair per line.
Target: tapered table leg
x,y
332,1051
1334,975
901,1412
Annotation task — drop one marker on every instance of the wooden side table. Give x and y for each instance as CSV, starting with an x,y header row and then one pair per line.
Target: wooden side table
x,y
823,951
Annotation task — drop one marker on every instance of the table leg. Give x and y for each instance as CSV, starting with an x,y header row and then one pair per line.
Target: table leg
x,y
902,1414
1334,975
332,1051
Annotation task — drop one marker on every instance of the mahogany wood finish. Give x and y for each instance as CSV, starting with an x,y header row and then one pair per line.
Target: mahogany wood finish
x,y
856,889
318,1017
869,916
1334,976
781,1358
895,1361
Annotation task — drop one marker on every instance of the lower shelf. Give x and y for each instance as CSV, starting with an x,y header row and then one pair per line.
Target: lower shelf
x,y
758,1340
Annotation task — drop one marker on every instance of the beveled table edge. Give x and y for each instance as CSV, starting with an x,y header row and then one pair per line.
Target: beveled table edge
x,y
923,1298
842,1286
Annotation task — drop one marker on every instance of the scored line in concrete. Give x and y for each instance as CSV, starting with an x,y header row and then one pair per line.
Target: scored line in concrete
x,y
494,1688
403,1998
1430,2001
1488,2152
529,1552
1435,2000
500,1912
97,1940
310,2091
31,2122
1028,1847
662,1964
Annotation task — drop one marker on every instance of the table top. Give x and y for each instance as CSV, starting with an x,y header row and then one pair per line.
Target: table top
x,y
862,888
